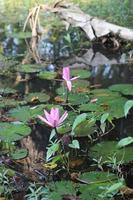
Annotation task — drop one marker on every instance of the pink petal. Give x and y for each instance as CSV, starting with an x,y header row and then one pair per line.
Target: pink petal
x,y
69,85
64,116
74,78
54,113
66,73
44,120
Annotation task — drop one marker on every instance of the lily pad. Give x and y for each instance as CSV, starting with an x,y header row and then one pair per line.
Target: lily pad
x,y
98,185
57,189
26,113
37,97
83,73
12,132
108,149
29,68
7,91
19,154
9,103
126,89
47,75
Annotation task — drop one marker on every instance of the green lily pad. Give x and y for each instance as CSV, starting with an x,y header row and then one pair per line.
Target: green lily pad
x,y
26,113
19,154
98,186
81,86
10,103
12,132
85,128
108,149
28,68
106,102
57,189
47,75
37,97
83,73
7,91
126,89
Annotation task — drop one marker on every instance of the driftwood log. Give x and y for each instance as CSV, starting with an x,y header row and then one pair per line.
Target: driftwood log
x,y
74,16
93,27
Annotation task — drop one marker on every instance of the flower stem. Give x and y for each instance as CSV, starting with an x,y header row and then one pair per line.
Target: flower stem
x,y
67,93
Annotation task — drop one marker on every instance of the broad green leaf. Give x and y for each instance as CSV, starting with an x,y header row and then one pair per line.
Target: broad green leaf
x,y
114,188
52,150
125,141
126,89
128,106
19,154
74,144
47,75
60,188
83,73
104,117
29,68
7,91
10,132
108,150
98,183
37,97
78,120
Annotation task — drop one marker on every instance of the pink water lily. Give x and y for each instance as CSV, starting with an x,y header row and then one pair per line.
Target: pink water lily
x,y
53,118
67,78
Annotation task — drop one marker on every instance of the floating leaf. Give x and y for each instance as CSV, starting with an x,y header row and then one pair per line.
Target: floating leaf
x,y
99,183
60,188
19,154
37,97
125,141
47,75
9,103
126,89
83,73
7,91
12,132
128,106
110,149
78,120
29,68
26,113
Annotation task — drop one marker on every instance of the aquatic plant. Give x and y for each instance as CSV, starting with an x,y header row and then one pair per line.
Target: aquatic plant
x,y
67,78
53,118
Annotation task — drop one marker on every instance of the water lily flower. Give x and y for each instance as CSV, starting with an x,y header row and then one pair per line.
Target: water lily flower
x,y
53,118
67,78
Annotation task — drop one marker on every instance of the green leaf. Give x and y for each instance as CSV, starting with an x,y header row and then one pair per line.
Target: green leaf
x,y
7,91
60,188
98,182
126,89
74,144
10,132
83,73
20,35
109,149
128,106
26,113
78,120
19,154
29,68
125,141
37,96
114,188
104,117
47,75
52,150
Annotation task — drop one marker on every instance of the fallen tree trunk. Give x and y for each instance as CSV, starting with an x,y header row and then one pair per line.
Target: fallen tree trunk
x,y
93,27
72,15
